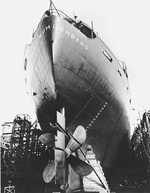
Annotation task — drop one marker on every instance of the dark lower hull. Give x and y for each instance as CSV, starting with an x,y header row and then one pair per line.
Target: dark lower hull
x,y
67,69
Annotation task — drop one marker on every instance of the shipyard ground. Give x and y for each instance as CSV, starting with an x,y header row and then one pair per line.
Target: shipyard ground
x,y
24,155
136,183
30,185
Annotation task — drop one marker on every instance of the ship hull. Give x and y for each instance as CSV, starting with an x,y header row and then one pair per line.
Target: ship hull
x,y
65,69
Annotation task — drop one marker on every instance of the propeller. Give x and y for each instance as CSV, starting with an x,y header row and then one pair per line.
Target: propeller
x,y
80,167
49,172
76,141
48,139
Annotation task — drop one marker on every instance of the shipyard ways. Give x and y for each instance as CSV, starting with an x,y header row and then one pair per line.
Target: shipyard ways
x,y
24,157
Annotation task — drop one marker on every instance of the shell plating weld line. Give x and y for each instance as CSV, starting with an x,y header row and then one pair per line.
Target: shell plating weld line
x,y
97,115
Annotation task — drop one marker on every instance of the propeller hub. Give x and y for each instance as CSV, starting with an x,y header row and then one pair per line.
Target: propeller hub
x,y
68,151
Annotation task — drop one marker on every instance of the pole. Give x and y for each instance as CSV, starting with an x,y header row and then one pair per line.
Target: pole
x,y
60,157
92,29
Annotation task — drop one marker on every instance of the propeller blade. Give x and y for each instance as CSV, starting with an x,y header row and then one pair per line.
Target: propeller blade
x,y
47,139
49,172
80,167
76,141
37,132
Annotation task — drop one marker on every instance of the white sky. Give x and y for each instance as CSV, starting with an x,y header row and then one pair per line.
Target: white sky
x,y
124,25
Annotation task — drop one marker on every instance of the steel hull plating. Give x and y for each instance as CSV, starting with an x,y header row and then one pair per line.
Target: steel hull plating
x,y
67,69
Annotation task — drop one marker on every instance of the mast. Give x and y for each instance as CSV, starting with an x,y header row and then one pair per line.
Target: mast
x,y
92,29
52,7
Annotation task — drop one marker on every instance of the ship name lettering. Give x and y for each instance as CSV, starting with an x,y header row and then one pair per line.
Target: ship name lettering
x,y
77,40
60,28
86,47
43,31
81,43
55,27
67,32
72,36
48,27
40,35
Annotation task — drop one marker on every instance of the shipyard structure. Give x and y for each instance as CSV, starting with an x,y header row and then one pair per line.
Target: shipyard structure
x,y
24,157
